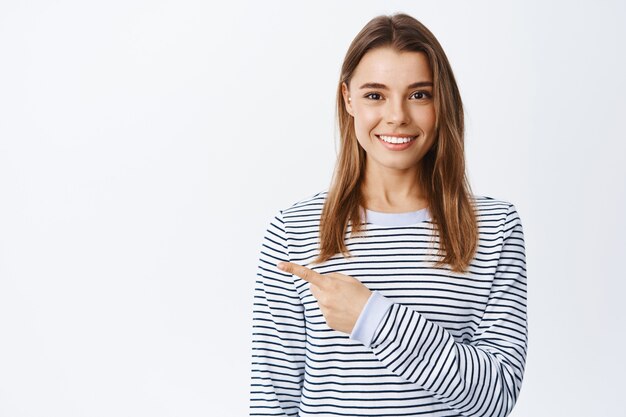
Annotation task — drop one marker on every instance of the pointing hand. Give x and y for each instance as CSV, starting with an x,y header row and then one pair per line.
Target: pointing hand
x,y
340,297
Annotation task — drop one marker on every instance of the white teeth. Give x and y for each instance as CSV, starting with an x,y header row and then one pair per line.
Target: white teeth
x,y
392,139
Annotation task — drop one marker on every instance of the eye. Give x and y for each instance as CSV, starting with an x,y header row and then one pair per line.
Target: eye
x,y
424,94
372,94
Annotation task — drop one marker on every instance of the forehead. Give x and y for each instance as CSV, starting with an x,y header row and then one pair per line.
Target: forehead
x,y
392,67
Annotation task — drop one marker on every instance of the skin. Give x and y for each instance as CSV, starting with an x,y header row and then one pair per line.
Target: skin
x,y
341,298
390,179
390,183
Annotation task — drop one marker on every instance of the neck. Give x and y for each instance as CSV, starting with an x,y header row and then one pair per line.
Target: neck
x,y
390,190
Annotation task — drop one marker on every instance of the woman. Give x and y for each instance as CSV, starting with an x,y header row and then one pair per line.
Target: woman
x,y
395,292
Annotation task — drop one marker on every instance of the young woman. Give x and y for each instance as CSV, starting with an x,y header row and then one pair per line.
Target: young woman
x,y
396,292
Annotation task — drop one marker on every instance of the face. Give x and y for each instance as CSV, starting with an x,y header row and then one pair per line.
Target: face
x,y
390,97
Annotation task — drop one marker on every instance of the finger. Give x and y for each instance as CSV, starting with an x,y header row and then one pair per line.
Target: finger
x,y
301,271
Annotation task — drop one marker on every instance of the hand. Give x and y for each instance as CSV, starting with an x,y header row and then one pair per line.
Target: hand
x,y
340,297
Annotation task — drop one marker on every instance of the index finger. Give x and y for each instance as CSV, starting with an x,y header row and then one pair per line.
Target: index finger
x,y
301,271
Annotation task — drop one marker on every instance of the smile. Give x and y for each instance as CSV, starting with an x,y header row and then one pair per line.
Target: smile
x,y
396,139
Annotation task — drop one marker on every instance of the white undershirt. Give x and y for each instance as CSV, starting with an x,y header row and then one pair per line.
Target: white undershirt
x,y
397,219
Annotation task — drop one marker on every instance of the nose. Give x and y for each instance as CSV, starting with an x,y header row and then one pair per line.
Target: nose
x,y
396,112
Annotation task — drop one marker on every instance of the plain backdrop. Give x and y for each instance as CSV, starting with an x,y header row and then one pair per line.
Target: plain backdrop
x,y
145,146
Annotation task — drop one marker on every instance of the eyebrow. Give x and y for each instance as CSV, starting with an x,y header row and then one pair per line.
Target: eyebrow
x,y
384,87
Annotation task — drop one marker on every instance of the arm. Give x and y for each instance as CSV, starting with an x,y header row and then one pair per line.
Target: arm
x,y
278,332
370,317
479,378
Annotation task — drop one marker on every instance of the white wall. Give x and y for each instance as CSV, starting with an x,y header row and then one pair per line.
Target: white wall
x,y
144,146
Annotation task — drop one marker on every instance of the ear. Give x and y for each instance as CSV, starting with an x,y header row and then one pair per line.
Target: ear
x,y
346,98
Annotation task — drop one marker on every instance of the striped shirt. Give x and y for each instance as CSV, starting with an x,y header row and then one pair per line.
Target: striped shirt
x,y
441,343
377,305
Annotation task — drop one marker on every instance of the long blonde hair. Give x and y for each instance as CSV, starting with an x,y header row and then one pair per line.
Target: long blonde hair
x,y
442,169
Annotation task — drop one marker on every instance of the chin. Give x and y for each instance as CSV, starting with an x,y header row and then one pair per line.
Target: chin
x,y
401,165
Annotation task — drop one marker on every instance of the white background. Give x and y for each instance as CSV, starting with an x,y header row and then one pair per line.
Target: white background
x,y
145,145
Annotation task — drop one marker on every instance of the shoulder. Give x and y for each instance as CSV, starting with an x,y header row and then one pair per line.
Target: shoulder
x,y
312,203
493,213
486,205
305,212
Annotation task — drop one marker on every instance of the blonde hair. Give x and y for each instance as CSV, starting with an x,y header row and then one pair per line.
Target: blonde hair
x,y
442,169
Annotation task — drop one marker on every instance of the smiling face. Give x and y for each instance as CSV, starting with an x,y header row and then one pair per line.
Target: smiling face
x,y
390,97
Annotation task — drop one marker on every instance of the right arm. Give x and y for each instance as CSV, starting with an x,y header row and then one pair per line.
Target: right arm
x,y
278,331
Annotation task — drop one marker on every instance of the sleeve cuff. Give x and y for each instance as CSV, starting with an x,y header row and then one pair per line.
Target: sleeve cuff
x,y
369,319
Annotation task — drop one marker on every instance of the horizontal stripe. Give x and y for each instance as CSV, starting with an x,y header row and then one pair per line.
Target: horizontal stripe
x,y
448,343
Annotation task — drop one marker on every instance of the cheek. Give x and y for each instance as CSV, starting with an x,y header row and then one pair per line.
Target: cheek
x,y
366,119
425,117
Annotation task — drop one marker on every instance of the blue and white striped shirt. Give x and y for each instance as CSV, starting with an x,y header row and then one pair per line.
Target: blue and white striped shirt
x,y
430,342
378,304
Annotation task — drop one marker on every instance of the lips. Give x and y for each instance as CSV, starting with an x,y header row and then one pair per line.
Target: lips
x,y
395,143
396,138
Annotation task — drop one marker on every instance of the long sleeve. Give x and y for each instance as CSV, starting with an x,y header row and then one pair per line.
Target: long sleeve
x,y
278,331
370,318
482,377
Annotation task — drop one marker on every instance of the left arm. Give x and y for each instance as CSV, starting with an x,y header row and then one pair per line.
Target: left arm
x,y
484,376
